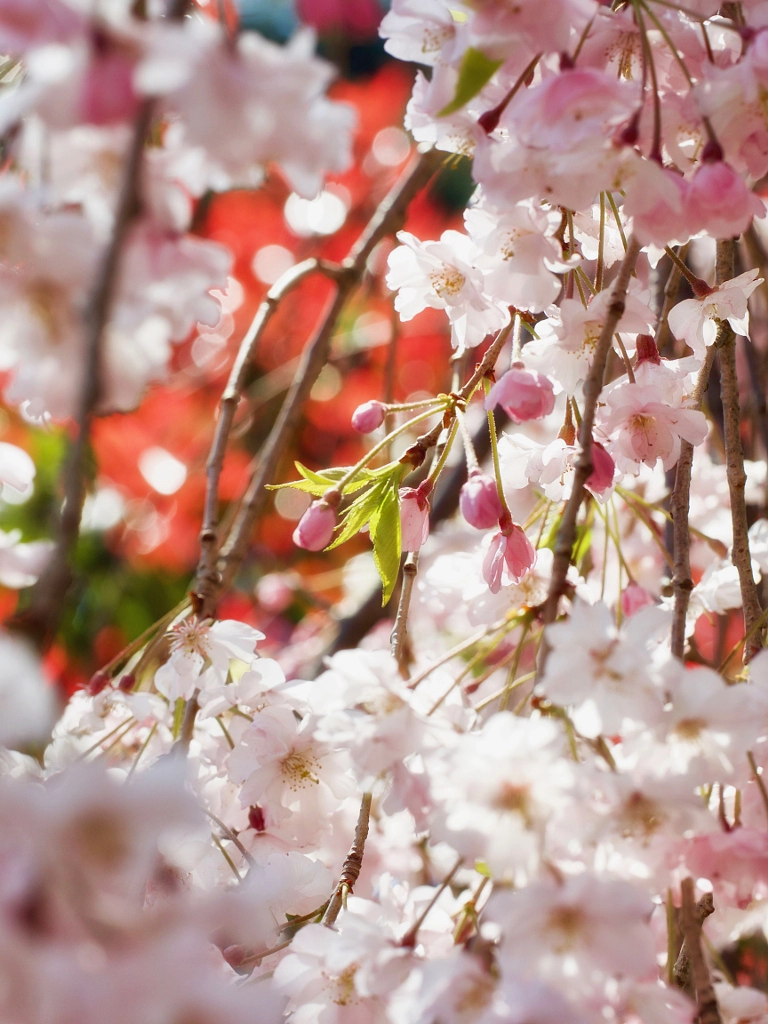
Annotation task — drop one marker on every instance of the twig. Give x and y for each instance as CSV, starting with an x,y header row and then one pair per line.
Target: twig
x,y
682,582
399,637
409,939
49,594
387,219
691,920
207,576
592,387
734,461
682,968
350,871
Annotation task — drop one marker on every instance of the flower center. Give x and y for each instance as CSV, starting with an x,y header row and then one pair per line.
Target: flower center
x,y
447,282
299,770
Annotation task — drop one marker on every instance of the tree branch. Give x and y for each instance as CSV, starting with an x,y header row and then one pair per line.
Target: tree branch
x,y
399,638
682,582
350,871
691,920
734,463
387,218
48,596
592,387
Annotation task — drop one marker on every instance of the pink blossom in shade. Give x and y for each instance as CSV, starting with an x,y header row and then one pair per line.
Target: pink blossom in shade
x,y
656,200
368,416
693,320
511,548
316,526
28,23
603,470
645,429
522,394
479,501
414,517
358,18
719,201
107,94
735,863
634,598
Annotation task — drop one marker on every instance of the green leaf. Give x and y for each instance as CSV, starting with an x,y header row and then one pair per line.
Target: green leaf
x,y
358,513
385,534
178,716
475,71
317,484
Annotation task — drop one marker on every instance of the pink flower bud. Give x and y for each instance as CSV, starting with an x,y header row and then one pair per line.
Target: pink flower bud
x,y
603,468
368,416
316,526
719,201
633,598
522,394
479,501
509,547
414,517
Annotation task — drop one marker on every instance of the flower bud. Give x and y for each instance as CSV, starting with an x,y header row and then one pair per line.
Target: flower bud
x,y
316,526
603,467
520,555
479,501
647,352
96,683
368,416
522,394
634,598
414,518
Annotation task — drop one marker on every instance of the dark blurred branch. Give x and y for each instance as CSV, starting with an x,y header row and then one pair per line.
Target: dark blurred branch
x,y
734,463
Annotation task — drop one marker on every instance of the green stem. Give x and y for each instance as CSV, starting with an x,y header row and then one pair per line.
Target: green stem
x,y
495,451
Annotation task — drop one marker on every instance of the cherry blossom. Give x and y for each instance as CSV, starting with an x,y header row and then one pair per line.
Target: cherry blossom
x,y
694,320
442,275
195,646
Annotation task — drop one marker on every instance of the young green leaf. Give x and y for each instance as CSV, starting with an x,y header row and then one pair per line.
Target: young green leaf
x,y
475,71
385,534
359,512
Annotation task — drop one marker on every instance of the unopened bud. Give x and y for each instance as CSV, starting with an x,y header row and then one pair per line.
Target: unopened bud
x,y
96,683
368,416
603,468
316,526
647,352
479,501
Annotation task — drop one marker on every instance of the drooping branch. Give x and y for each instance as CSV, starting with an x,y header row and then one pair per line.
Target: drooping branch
x,y
207,576
350,871
682,581
734,463
593,385
387,218
691,920
48,596
399,638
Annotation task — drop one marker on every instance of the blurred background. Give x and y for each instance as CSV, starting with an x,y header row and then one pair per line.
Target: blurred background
x,y
139,545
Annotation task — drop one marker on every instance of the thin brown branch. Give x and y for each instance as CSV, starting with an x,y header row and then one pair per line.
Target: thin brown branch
x,y
682,581
387,219
592,387
350,871
399,637
681,973
207,577
734,463
49,594
691,918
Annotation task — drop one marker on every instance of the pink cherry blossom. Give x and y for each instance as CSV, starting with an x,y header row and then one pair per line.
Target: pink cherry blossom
x,y
693,320
316,526
28,23
719,201
645,430
522,394
510,549
479,501
634,598
441,275
603,470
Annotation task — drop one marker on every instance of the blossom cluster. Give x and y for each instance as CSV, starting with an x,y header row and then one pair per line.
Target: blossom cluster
x,y
495,815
